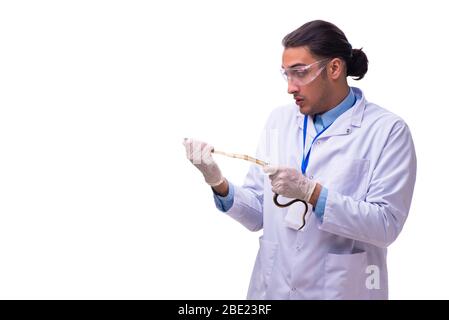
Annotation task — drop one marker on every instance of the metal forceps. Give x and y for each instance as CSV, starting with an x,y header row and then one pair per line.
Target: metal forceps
x,y
275,196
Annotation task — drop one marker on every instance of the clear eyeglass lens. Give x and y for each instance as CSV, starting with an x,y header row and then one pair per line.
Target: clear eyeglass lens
x,y
304,75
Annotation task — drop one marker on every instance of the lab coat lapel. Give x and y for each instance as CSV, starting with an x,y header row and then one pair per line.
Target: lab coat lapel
x,y
311,131
345,123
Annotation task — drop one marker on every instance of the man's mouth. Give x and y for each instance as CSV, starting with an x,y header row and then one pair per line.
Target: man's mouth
x,y
299,100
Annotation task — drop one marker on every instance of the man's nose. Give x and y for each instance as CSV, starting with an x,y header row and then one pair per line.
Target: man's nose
x,y
292,88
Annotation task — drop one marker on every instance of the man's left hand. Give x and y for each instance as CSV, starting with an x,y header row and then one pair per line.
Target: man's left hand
x,y
290,183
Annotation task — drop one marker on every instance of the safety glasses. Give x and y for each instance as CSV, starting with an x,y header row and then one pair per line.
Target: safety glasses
x,y
303,75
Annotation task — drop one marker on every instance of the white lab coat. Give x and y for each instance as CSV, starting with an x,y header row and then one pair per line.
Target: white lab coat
x,y
367,161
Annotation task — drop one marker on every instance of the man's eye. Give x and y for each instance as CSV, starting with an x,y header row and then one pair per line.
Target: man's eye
x,y
299,74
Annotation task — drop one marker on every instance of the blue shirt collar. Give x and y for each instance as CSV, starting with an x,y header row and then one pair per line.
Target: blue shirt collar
x,y
330,116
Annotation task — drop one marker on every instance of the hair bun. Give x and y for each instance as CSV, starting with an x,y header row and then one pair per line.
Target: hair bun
x,y
358,65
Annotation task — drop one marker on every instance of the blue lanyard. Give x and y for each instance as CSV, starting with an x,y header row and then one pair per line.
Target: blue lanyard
x,y
305,157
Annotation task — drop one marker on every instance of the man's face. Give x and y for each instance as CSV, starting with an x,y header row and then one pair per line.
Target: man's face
x,y
310,98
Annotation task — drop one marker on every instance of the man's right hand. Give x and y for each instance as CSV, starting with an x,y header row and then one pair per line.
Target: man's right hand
x,y
199,153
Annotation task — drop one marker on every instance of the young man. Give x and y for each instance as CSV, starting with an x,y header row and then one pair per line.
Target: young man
x,y
352,161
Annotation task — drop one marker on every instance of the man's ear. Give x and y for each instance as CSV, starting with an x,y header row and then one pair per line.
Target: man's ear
x,y
335,68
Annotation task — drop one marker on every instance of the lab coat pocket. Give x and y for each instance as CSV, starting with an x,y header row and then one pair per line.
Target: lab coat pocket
x,y
345,277
263,267
350,178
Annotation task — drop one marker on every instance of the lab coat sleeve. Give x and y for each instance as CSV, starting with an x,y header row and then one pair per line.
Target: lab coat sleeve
x,y
380,216
248,200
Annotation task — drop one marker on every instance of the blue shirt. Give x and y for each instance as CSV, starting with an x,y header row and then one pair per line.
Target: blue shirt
x,y
320,122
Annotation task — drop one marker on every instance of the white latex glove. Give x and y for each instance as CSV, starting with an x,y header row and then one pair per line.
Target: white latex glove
x,y
199,153
290,183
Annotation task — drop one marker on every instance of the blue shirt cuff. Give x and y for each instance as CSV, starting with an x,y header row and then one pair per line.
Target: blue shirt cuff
x,y
224,203
321,204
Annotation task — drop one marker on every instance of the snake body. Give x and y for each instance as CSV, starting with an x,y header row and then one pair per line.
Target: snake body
x,y
275,196
241,156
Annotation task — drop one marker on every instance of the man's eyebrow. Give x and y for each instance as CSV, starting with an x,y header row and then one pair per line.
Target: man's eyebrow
x,y
296,65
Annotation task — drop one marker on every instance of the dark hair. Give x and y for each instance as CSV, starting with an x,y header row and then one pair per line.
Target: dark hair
x,y
326,40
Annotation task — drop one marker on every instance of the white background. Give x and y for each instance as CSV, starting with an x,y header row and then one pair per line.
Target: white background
x,y
97,200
